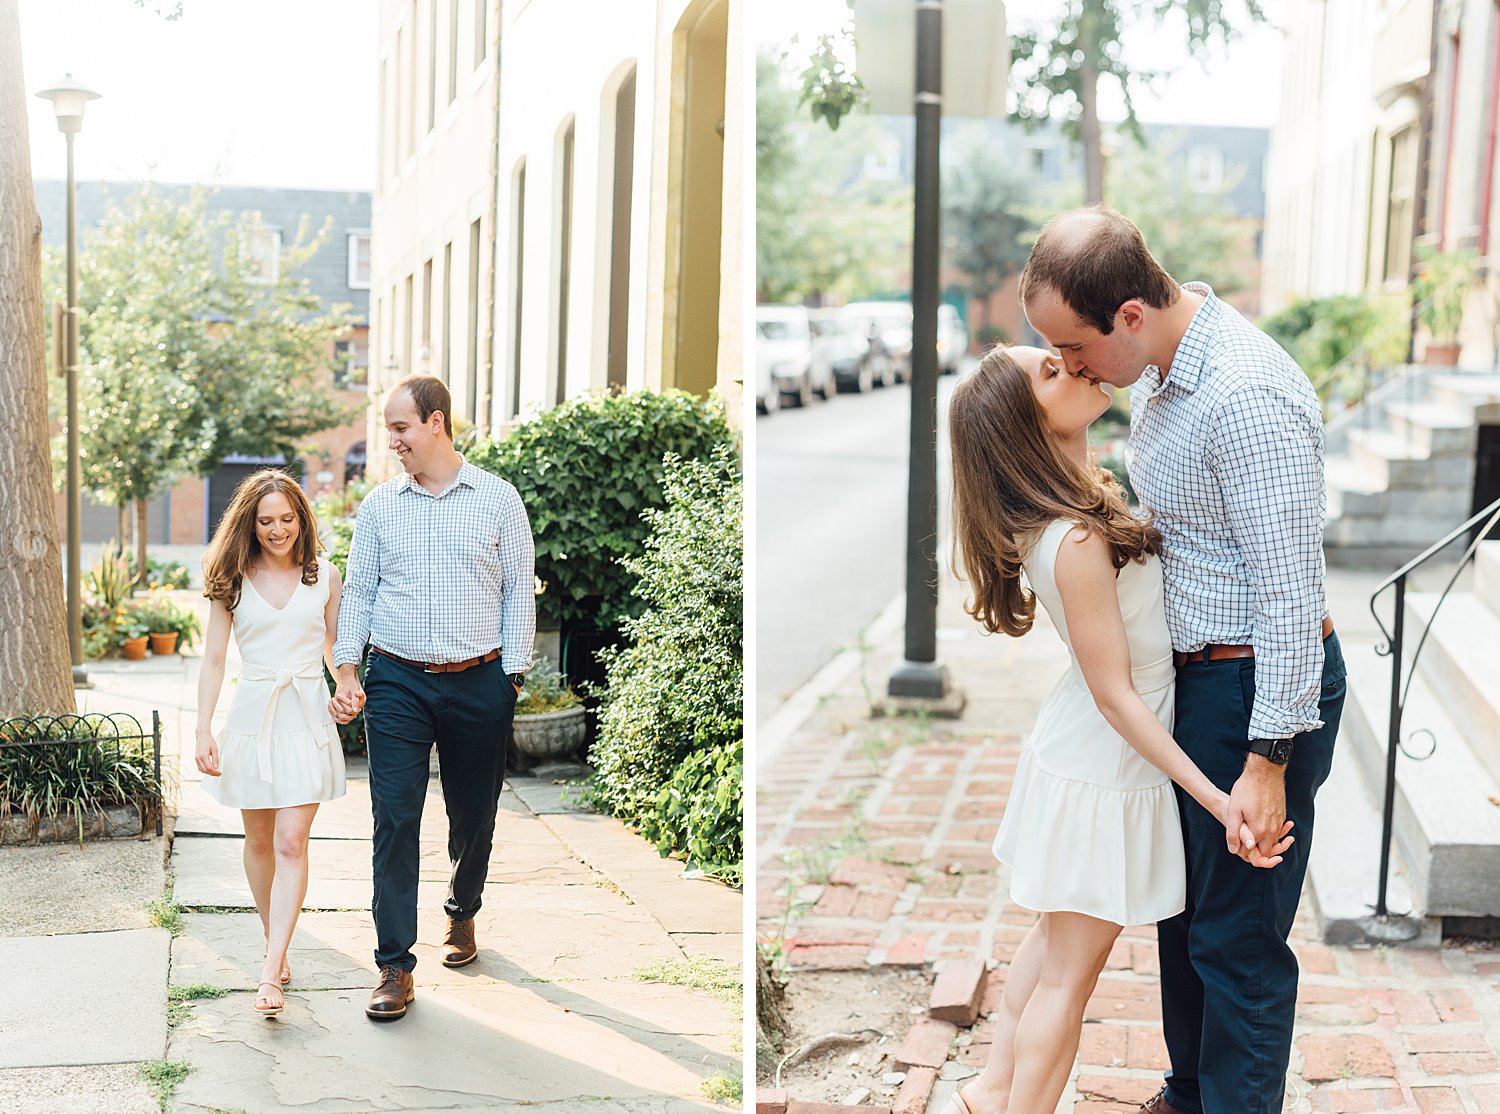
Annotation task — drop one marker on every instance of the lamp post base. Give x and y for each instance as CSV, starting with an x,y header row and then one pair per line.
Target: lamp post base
x,y
81,677
926,680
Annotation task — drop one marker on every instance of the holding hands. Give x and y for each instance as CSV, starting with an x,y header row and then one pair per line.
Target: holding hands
x,y
349,700
1254,815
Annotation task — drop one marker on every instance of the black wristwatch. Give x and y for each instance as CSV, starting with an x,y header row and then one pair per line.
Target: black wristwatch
x,y
517,679
1276,751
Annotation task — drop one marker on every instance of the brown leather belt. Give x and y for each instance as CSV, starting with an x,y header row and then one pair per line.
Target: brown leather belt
x,y
441,666
1215,651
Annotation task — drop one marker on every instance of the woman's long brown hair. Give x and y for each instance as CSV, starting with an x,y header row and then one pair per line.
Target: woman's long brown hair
x,y
235,546
1011,479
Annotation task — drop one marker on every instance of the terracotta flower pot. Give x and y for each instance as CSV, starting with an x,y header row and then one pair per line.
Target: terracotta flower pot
x,y
164,643
135,648
1441,355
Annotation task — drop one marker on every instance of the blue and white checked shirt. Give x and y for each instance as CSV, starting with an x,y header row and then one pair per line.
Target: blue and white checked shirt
x,y
441,578
1228,455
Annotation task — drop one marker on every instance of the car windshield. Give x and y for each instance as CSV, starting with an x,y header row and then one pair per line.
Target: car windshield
x,y
775,330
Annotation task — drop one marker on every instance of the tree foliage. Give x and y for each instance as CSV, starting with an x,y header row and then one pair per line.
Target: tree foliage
x,y
823,229
1056,66
188,353
988,219
1192,233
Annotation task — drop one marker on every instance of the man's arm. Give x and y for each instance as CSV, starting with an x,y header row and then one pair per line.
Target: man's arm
x,y
517,552
356,606
1266,452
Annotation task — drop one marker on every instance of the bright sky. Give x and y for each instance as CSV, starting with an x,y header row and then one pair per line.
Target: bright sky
x,y
1242,88
236,92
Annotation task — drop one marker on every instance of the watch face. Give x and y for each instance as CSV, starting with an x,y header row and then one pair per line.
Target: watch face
x,y
1281,752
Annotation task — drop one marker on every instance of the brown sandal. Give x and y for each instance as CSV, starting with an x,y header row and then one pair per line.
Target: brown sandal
x,y
269,1011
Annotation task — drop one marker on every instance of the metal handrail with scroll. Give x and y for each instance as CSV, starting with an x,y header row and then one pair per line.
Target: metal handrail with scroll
x,y
1381,926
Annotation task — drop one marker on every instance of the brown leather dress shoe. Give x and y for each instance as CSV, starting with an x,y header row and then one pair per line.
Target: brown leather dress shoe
x,y
390,997
458,943
1157,1104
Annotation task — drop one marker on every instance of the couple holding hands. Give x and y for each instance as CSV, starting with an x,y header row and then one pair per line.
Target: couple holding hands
x,y
440,589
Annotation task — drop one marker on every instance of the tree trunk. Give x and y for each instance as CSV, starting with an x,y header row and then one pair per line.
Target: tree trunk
x,y
36,673
1089,136
140,542
123,536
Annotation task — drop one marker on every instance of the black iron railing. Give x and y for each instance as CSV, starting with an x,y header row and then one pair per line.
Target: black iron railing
x,y
1392,647
82,765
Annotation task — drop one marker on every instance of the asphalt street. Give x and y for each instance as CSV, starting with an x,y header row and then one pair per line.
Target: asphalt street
x,y
830,529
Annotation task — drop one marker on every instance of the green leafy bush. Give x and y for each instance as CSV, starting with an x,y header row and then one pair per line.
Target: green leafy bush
x,y
586,470
669,753
546,690
84,768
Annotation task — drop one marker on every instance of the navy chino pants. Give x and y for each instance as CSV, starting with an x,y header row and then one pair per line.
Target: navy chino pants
x,y
1228,976
468,715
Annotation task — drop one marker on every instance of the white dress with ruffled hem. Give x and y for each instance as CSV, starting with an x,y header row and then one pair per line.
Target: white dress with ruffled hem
x,y
1091,826
279,746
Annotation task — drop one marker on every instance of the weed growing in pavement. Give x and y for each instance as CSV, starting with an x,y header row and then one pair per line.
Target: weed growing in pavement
x,y
165,912
164,1075
726,1089
700,972
179,998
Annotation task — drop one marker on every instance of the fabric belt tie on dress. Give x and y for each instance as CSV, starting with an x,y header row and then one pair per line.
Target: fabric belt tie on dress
x,y
1219,652
313,704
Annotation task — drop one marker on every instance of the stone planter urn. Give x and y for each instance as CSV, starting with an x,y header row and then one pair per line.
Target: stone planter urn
x,y
550,734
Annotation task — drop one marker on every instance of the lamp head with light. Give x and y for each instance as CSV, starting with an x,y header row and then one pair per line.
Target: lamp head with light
x,y
68,98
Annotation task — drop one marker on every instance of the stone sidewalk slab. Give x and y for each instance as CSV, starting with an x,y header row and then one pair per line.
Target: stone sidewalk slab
x,y
524,933
458,1047
91,998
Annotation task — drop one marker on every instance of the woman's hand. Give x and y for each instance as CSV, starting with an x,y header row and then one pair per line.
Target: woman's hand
x,y
1243,843
207,754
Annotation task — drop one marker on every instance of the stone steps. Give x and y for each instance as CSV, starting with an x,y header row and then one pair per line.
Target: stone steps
x,y
1447,830
1461,660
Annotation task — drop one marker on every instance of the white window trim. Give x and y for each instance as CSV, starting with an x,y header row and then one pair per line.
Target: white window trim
x,y
354,283
245,247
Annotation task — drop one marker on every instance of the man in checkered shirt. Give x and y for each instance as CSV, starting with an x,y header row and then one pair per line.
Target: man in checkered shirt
x,y
1226,452
440,588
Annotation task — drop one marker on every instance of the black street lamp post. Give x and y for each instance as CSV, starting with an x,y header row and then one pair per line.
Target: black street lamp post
x,y
68,98
920,674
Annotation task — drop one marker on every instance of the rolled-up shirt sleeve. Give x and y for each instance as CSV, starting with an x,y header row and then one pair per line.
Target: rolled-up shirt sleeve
x,y
517,552
1266,451
361,579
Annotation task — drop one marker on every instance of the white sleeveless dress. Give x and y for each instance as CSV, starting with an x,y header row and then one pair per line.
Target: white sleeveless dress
x,y
279,746
1091,826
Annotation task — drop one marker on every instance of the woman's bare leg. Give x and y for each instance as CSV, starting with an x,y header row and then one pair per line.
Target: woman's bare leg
x,y
289,886
989,1092
1046,1037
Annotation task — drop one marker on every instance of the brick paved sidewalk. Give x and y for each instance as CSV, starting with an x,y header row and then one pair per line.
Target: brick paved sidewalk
x,y
874,849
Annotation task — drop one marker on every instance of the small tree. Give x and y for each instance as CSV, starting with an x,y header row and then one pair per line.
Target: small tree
x,y
987,222
189,354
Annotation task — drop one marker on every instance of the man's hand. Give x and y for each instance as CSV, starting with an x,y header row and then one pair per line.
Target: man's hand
x,y
1257,808
349,700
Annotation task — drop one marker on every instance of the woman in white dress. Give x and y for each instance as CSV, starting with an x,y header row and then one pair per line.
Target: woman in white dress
x,y
278,756
1091,832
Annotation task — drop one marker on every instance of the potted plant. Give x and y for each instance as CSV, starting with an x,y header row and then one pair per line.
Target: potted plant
x,y
551,721
1442,289
132,633
171,625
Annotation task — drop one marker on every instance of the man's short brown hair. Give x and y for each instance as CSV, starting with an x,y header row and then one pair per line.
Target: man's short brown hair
x,y
429,393
1096,259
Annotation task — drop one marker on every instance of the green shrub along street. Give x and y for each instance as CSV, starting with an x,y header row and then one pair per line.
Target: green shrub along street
x,y
586,470
635,503
670,748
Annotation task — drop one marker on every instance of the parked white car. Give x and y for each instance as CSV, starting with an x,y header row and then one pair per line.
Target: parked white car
x,y
767,394
953,339
857,362
784,334
888,323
